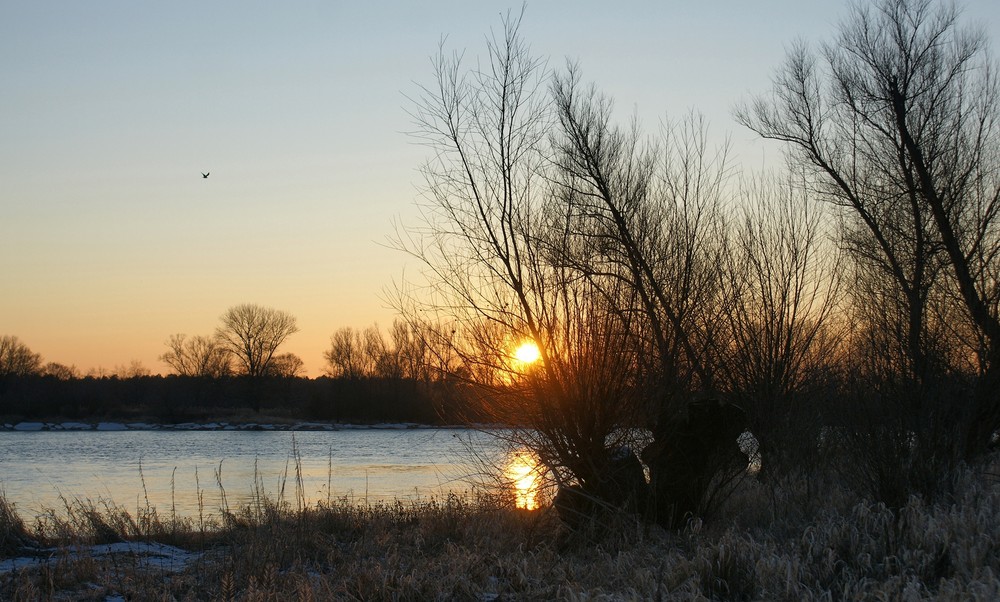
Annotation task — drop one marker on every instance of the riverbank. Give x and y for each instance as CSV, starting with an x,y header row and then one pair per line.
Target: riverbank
x,y
180,399
32,426
782,542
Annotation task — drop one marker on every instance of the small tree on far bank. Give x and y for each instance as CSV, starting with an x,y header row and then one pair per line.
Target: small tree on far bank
x,y
197,356
17,359
252,334
287,365
354,353
60,371
406,353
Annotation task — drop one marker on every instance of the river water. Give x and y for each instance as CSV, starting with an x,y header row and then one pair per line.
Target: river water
x,y
180,471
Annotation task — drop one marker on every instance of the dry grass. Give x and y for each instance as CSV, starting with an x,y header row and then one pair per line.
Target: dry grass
x,y
803,539
13,534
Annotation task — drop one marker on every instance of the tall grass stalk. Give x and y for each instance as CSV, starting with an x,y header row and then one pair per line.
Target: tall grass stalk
x,y
173,496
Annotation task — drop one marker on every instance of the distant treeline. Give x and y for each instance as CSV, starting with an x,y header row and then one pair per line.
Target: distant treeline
x,y
172,399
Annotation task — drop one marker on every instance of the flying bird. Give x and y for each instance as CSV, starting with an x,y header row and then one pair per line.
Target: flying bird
x,y
205,175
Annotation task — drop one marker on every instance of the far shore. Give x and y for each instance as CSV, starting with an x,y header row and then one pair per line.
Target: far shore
x,y
36,426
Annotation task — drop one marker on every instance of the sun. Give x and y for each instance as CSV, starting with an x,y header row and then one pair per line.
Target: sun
x,y
527,353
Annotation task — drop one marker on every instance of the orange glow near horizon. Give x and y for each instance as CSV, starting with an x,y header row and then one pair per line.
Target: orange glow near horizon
x,y
522,471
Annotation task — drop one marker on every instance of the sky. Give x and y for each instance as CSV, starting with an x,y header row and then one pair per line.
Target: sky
x,y
110,238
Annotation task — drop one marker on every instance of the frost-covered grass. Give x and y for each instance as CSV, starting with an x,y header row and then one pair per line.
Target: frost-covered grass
x,y
801,539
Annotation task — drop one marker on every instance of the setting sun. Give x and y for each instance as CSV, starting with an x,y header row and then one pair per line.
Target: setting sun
x,y
527,353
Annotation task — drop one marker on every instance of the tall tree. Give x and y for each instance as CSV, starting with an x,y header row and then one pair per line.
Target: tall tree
x,y
645,217
492,284
898,116
546,223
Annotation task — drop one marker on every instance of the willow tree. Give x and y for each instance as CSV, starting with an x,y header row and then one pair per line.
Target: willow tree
x,y
492,280
544,221
645,215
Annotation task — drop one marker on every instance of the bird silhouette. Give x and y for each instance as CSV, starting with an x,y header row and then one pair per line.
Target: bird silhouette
x,y
205,175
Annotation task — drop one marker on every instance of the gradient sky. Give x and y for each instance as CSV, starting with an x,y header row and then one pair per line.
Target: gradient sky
x,y
110,239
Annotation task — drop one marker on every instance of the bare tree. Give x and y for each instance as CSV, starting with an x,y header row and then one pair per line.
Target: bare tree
x,y
134,369
899,119
197,356
17,359
546,223
252,334
410,353
782,283
487,247
60,371
865,173
646,216
374,350
99,372
345,357
286,365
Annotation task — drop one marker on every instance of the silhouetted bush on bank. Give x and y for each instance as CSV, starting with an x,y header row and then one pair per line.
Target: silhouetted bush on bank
x,y
182,398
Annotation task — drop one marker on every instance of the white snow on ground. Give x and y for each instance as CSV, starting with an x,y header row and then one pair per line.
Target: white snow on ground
x,y
111,426
147,555
29,426
76,426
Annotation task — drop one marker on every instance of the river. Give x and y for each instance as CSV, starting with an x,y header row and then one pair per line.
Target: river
x,y
179,472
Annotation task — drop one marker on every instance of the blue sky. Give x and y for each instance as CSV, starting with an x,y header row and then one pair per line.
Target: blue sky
x,y
110,239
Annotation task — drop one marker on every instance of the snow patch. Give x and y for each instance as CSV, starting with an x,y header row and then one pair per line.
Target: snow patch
x,y
145,555
111,426
312,426
29,426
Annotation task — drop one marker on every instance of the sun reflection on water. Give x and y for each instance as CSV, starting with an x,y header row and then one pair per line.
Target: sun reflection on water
x,y
523,473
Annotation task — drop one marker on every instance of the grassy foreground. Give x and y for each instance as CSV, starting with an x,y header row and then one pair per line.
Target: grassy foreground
x,y
800,540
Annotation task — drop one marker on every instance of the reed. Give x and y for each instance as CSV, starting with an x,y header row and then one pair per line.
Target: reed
x,y
13,534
